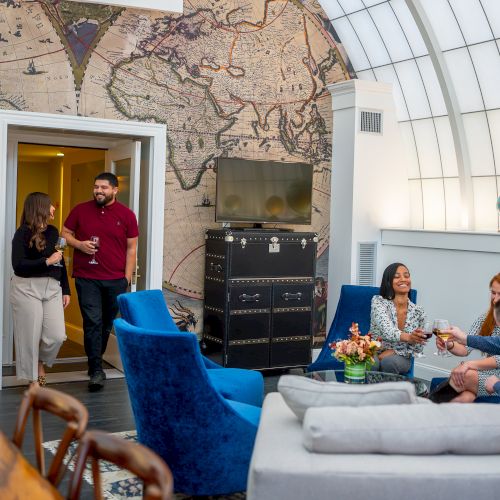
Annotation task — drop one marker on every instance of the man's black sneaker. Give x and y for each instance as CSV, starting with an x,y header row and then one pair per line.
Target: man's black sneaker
x,y
96,382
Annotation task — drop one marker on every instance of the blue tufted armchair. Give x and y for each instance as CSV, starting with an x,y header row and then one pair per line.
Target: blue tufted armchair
x,y
354,305
206,440
148,309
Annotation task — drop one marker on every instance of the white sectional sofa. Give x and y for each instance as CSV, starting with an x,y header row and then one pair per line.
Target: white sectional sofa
x,y
455,457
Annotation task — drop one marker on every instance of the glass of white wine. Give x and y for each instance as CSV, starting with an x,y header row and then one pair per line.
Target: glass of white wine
x,y
437,329
60,245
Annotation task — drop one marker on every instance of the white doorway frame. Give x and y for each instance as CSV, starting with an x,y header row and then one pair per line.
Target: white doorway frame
x,y
42,128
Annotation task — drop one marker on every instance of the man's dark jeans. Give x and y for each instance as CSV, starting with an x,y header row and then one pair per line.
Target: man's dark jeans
x,y
99,307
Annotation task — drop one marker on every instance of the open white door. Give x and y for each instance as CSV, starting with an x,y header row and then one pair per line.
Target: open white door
x,y
78,131
124,160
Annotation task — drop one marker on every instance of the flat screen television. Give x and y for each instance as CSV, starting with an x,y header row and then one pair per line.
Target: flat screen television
x,y
259,191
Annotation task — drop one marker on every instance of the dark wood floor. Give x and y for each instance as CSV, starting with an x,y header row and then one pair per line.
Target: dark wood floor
x,y
109,410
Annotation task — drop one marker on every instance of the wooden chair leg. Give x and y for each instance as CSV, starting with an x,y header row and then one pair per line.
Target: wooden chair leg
x,y
37,424
22,418
97,479
54,475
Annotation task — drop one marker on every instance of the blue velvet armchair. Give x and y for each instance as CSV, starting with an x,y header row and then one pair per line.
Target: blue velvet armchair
x,y
148,309
354,305
206,440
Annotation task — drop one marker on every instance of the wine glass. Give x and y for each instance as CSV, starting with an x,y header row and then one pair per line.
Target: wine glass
x,y
95,241
60,246
427,330
437,327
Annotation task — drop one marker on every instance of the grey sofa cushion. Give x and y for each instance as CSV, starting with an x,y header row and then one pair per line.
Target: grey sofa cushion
x,y
469,429
301,393
281,468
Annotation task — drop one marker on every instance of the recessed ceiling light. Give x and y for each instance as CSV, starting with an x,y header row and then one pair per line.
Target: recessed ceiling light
x,y
59,154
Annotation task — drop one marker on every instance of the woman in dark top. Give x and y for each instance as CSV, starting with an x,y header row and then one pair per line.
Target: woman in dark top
x,y
39,290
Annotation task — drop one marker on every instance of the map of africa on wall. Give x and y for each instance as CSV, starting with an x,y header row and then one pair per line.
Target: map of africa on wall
x,y
228,77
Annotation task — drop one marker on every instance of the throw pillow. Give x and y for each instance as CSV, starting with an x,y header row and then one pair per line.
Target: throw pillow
x,y
301,393
464,429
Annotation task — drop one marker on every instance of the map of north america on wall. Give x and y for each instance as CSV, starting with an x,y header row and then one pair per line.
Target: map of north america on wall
x,y
234,78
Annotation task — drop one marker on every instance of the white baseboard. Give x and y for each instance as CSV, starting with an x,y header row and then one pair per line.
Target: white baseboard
x,y
428,372
61,377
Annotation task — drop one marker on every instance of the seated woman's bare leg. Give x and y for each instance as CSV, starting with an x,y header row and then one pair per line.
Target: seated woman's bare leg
x,y
464,397
468,392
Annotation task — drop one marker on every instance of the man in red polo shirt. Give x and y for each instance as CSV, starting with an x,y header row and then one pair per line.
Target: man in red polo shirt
x,y
102,270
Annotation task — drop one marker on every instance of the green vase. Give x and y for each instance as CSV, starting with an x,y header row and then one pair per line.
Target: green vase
x,y
355,373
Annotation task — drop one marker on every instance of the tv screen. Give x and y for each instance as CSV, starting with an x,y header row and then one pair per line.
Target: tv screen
x,y
257,191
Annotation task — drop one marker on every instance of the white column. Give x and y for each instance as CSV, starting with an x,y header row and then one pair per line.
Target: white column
x,y
369,179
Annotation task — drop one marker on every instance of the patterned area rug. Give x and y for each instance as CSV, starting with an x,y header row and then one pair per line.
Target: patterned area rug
x,y
118,483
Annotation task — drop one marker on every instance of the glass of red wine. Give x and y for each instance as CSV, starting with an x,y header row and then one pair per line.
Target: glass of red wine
x,y
95,241
427,331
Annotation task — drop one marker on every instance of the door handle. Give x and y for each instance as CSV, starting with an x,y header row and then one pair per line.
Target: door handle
x,y
135,275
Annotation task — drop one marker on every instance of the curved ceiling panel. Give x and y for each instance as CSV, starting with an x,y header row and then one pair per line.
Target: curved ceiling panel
x,y
450,123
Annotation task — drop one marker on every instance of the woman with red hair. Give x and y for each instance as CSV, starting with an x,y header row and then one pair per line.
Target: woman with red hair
x,y
469,377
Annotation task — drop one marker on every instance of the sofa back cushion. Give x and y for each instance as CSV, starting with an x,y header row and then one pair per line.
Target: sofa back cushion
x,y
468,429
301,393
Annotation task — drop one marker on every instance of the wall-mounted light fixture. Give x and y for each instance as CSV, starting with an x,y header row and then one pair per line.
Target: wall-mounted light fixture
x,y
60,154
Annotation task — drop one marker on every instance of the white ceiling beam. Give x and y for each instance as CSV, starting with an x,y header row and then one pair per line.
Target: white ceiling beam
x,y
455,116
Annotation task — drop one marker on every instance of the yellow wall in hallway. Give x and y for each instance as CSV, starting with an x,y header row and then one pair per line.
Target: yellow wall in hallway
x,y
68,181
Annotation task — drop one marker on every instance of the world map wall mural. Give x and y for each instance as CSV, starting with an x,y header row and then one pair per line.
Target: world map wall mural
x,y
227,77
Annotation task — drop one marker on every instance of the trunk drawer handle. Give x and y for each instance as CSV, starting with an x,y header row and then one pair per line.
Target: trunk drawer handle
x,y
215,267
249,298
292,296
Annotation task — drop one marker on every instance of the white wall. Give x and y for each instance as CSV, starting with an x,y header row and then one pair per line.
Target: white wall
x,y
369,179
451,272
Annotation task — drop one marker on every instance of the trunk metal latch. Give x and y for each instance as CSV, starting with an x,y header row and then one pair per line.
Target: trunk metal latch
x,y
274,246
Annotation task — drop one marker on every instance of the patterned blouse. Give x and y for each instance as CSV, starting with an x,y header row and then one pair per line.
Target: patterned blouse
x,y
384,324
476,328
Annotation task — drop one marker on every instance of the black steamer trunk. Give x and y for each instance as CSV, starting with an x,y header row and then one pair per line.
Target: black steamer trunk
x,y
259,288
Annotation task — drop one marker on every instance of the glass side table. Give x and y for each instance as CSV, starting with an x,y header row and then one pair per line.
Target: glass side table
x,y
370,378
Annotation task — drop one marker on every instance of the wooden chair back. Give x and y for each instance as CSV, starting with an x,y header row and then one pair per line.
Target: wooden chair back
x,y
66,407
144,463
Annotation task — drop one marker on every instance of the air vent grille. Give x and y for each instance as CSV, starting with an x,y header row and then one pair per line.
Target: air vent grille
x,y
371,121
367,263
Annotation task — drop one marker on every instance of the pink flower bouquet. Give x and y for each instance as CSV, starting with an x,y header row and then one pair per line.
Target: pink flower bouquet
x,y
356,349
